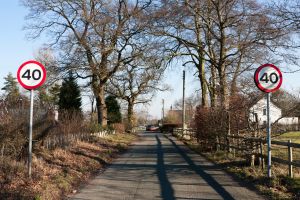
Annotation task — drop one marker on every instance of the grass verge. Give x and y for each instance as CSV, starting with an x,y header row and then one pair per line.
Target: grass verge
x,y
294,136
58,172
279,187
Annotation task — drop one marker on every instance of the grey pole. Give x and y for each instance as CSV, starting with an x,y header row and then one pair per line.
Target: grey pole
x,y
30,134
163,110
183,103
269,134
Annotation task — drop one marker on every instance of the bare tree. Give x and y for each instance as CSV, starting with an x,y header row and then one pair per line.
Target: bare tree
x,y
191,102
93,36
137,82
46,56
287,13
222,39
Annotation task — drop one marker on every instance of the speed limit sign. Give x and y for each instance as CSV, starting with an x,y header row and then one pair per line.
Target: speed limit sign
x,y
31,75
268,78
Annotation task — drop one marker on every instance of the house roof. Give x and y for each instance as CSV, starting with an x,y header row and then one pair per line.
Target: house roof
x,y
263,97
175,112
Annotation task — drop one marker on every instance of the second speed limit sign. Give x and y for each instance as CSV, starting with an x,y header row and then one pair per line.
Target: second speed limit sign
x,y
268,78
31,74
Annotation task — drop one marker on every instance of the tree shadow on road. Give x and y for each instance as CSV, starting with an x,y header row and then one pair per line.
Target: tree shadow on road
x,y
167,192
208,178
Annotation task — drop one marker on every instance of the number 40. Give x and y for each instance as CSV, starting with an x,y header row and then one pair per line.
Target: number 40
x,y
36,74
273,78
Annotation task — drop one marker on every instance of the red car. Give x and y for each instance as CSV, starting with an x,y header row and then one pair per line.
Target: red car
x,y
152,128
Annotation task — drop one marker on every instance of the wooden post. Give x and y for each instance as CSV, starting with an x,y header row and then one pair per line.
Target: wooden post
x,y
218,143
261,158
239,145
290,154
2,150
252,156
234,145
228,138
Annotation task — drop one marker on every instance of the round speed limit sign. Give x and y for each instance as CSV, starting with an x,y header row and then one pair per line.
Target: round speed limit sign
x,y
268,78
31,75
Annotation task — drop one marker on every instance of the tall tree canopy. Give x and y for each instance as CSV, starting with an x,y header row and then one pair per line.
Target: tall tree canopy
x,y
221,38
94,36
137,82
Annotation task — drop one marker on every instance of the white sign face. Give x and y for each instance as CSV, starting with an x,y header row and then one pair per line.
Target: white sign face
x,y
268,78
31,75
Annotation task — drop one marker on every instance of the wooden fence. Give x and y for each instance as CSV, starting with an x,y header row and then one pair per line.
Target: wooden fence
x,y
186,134
251,147
63,140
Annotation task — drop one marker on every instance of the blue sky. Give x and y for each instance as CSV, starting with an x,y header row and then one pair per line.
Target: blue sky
x,y
15,49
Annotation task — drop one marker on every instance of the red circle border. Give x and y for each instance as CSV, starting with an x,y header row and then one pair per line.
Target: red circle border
x,y
35,86
257,81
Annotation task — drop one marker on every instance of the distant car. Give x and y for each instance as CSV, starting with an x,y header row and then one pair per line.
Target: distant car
x,y
151,128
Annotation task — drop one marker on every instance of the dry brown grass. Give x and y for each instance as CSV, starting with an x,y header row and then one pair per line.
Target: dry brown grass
x,y
279,187
64,154
58,171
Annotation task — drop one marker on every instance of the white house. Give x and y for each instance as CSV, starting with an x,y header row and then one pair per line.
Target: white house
x,y
260,109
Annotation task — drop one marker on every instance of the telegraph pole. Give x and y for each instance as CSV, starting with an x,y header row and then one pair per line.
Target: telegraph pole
x,y
163,111
183,103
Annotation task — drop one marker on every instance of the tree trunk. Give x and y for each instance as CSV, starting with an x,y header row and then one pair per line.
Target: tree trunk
x,y
233,89
223,89
204,99
200,65
92,108
130,116
203,84
212,90
101,106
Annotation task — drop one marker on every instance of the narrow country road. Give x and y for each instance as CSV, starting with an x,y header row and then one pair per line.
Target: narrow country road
x,y
160,168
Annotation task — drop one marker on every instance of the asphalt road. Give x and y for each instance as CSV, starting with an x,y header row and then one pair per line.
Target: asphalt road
x,y
160,168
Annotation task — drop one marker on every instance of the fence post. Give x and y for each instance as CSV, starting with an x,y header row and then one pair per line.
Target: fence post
x,y
290,154
234,146
252,156
2,150
218,143
238,144
261,158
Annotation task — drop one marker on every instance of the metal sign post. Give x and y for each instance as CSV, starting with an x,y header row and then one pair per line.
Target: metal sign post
x,y
268,78
30,133
31,75
269,134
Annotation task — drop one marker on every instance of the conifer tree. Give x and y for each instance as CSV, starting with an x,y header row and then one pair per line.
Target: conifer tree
x,y
69,96
54,92
11,89
113,110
